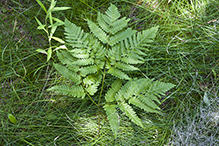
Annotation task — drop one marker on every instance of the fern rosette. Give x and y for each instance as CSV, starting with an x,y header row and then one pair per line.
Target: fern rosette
x,y
111,49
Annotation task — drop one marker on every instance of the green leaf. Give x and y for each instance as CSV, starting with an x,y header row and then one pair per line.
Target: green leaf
x,y
115,87
41,26
42,6
119,74
112,117
113,13
98,32
59,40
60,8
58,20
41,51
121,36
49,54
143,106
129,112
73,90
12,118
125,67
75,36
65,57
68,73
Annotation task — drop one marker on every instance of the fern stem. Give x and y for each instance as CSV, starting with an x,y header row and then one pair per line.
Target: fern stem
x,y
89,94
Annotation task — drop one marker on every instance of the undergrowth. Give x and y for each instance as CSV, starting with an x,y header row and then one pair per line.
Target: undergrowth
x,y
184,53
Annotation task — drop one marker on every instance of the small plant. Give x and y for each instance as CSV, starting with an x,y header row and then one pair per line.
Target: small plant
x,y
110,50
50,30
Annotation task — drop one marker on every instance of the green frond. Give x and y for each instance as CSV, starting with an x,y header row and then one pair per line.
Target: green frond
x,y
65,57
156,89
88,70
147,100
68,73
113,13
102,23
80,55
98,32
111,27
120,96
141,105
100,63
74,35
100,53
83,62
129,88
115,87
119,25
132,59
115,53
141,39
160,87
92,82
112,117
93,78
125,67
129,112
74,90
72,67
92,89
121,36
119,74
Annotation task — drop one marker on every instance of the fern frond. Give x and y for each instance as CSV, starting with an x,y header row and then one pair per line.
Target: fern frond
x,y
147,100
119,25
74,90
114,53
125,67
141,39
111,27
156,89
102,23
93,78
92,89
98,32
100,53
129,112
112,117
72,67
117,73
74,35
83,62
113,13
121,36
141,105
88,70
68,73
80,55
132,59
115,87
65,57
160,87
92,82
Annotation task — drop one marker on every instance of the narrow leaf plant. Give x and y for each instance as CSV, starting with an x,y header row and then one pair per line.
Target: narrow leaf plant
x,y
110,50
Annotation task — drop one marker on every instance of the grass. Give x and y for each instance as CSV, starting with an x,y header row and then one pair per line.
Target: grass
x,y
185,53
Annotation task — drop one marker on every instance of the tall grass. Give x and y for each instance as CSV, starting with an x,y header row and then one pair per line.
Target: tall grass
x,y
185,53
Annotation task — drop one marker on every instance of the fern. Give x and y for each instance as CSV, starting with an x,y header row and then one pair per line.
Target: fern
x,y
74,90
113,118
110,49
